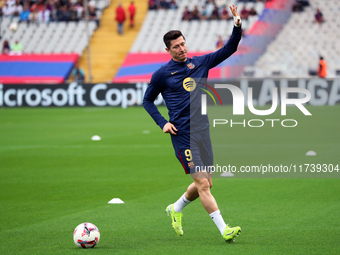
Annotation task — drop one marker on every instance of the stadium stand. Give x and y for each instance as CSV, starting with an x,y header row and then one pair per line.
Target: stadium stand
x,y
52,37
147,53
60,42
108,49
277,42
296,50
61,37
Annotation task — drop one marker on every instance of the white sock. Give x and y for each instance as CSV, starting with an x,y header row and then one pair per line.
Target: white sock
x,y
217,218
181,203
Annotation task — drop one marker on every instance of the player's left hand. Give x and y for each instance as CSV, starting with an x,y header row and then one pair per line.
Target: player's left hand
x,y
235,13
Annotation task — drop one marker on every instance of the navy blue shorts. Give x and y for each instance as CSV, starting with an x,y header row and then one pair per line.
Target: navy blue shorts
x,y
194,151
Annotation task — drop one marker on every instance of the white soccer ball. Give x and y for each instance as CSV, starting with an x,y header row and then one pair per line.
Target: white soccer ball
x,y
86,235
13,26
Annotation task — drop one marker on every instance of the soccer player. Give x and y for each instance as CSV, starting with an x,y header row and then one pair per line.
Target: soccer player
x,y
178,82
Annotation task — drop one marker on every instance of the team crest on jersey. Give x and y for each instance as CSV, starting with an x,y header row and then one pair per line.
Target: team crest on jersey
x,y
191,165
191,66
189,84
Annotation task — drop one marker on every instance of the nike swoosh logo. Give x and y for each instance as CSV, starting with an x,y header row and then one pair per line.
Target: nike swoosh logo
x,y
231,233
172,73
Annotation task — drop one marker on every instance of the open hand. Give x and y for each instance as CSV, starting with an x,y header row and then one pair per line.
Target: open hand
x,y
235,13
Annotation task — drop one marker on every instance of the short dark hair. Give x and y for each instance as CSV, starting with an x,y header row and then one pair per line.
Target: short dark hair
x,y
171,35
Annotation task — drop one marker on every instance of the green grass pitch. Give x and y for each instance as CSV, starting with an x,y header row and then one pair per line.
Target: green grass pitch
x,y
53,177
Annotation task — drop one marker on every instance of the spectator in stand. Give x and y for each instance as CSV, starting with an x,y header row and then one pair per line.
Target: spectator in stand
x,y
44,15
53,6
77,74
25,15
304,3
215,14
157,3
322,69
204,13
219,43
318,17
16,49
163,4
186,13
73,13
132,13
79,8
11,3
17,9
152,5
225,13
297,7
6,48
50,5
41,5
93,14
120,18
252,11
34,9
63,13
209,7
7,11
173,5
244,14
195,14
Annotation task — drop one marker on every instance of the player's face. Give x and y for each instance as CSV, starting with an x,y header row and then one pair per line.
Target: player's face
x,y
178,49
